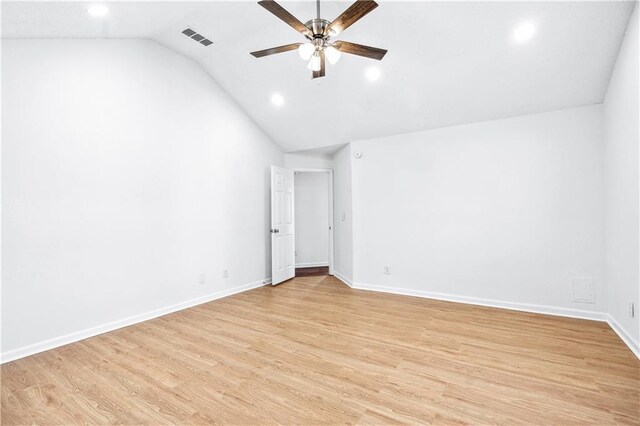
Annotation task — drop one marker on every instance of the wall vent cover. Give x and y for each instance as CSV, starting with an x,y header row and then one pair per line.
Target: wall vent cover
x,y
198,38
583,290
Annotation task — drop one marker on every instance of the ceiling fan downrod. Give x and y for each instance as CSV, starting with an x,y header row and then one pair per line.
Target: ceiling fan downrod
x,y
317,26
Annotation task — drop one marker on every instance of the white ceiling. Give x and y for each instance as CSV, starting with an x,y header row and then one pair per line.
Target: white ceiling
x,y
448,63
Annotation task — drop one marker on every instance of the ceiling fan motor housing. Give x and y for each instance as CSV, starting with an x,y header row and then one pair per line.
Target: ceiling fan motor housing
x,y
317,27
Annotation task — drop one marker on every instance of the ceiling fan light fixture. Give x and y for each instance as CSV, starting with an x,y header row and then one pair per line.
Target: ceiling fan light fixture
x,y
332,54
306,50
314,62
317,49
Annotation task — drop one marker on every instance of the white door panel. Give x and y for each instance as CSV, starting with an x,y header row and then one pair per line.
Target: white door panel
x,y
282,226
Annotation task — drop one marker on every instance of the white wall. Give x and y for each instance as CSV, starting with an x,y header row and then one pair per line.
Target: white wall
x,y
621,137
126,173
307,161
311,218
507,210
342,210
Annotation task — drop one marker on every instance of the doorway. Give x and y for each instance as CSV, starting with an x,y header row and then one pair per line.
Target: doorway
x,y
313,219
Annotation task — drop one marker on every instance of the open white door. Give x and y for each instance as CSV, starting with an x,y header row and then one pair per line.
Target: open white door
x,y
282,229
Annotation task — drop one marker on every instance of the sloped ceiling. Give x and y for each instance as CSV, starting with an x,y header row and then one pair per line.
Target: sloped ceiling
x,y
448,63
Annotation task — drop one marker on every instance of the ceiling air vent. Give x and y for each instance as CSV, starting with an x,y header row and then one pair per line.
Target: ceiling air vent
x,y
198,38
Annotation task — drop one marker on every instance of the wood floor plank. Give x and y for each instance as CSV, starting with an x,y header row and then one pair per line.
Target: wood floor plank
x,y
312,271
314,351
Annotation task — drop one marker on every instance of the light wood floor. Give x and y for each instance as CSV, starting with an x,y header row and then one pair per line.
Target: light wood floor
x,y
314,351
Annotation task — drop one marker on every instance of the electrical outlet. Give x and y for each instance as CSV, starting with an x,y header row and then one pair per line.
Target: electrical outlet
x,y
632,310
202,279
225,273
387,270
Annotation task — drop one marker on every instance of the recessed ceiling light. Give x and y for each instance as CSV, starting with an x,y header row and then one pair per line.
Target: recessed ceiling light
x,y
98,10
372,73
277,99
524,32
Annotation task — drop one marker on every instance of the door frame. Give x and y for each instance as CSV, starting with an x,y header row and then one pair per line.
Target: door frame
x,y
331,225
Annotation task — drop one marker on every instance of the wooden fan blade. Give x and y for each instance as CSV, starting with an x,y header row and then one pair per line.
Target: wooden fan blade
x,y
318,74
274,50
282,13
360,50
350,17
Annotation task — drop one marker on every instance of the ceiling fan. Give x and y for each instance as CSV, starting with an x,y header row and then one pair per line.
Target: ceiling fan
x,y
318,32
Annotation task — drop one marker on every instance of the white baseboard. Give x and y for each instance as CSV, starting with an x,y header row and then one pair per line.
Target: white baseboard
x,y
311,264
525,307
114,325
542,309
342,278
624,336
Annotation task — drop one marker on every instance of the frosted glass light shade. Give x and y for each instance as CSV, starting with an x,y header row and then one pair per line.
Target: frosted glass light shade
x,y
314,62
332,54
306,51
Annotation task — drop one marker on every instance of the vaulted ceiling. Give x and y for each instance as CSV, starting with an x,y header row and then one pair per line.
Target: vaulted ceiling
x,y
448,63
